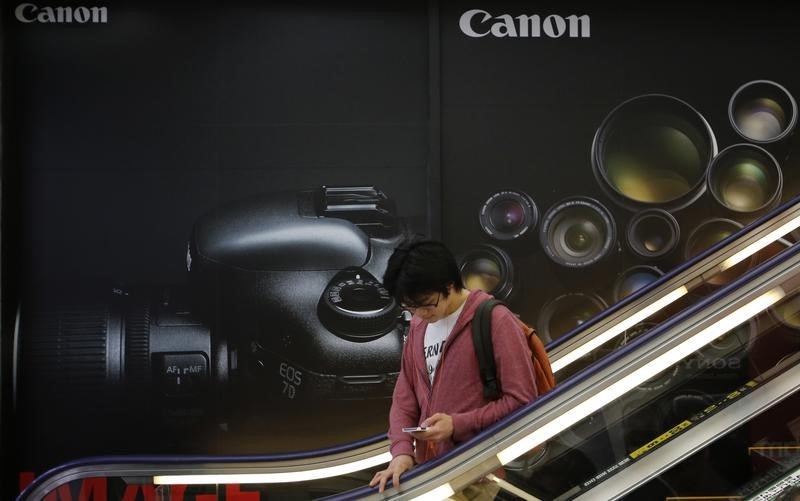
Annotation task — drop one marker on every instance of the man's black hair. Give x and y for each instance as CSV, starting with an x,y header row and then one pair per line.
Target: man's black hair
x,y
419,267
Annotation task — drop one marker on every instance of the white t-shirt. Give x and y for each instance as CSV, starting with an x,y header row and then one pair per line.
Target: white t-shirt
x,y
435,338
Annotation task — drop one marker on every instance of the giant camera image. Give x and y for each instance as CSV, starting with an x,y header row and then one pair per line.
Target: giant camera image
x,y
283,319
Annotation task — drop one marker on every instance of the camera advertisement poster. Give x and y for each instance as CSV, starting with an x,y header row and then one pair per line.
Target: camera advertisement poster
x,y
199,199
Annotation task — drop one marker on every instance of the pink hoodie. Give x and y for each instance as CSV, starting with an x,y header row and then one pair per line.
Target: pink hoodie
x,y
457,388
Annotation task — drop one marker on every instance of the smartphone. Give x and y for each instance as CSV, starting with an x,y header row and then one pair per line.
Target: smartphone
x,y
415,428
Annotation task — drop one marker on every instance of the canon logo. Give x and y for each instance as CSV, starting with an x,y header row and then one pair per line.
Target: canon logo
x,y
479,23
30,13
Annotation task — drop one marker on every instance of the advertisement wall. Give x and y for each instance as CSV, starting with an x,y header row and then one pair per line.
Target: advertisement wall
x,y
199,200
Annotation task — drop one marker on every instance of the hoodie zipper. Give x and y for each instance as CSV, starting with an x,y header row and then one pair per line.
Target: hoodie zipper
x,y
450,338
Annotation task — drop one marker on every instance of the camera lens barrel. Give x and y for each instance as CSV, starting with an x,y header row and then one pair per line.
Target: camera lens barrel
x,y
745,178
705,235
577,232
508,215
567,312
488,268
762,111
652,233
653,151
109,358
633,279
708,233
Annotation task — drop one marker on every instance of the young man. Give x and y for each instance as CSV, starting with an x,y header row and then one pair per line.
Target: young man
x,y
439,386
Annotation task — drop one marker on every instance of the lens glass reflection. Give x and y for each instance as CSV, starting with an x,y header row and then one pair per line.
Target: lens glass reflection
x,y
634,279
568,312
745,185
482,273
709,233
653,234
760,119
507,215
577,238
745,178
577,232
654,162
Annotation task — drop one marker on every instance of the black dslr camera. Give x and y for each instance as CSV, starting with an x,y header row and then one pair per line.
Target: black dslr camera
x,y
284,312
294,278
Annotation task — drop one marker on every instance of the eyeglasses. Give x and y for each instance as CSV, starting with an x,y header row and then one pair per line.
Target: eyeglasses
x,y
426,307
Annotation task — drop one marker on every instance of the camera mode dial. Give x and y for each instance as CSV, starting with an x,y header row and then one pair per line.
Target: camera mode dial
x,y
356,306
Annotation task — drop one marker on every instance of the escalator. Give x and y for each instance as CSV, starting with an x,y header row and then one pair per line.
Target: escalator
x,y
723,374
714,367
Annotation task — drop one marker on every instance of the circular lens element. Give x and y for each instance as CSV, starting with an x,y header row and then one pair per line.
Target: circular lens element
x,y
762,111
508,214
707,234
653,151
653,233
489,269
745,178
633,279
577,232
567,312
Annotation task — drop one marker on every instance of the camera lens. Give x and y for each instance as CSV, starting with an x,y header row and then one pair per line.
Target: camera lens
x,y
356,306
577,232
762,111
708,233
652,233
567,312
745,178
705,235
633,279
488,268
107,358
508,214
653,150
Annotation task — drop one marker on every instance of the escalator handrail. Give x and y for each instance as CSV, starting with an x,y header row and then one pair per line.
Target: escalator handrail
x,y
190,459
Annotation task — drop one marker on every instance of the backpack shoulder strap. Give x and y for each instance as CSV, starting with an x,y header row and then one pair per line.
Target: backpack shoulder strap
x,y
482,341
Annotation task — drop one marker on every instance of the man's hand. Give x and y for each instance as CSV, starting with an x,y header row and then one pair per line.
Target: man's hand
x,y
440,427
398,465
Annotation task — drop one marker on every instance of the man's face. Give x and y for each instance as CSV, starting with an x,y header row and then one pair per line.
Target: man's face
x,y
430,307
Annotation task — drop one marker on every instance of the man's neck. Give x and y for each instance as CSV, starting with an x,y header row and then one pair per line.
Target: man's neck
x,y
456,299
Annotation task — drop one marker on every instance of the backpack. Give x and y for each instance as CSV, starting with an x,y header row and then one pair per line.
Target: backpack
x,y
482,339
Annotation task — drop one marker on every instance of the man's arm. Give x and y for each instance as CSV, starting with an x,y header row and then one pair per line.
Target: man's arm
x,y
515,371
404,412
405,409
